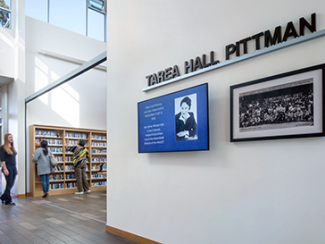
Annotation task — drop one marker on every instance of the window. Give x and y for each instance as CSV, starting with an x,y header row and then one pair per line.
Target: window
x,y
98,5
86,17
96,26
5,13
38,9
70,15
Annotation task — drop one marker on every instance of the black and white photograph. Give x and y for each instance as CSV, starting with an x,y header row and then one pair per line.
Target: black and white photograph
x,y
283,106
186,118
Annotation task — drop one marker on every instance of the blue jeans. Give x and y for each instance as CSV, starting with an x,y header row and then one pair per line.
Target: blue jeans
x,y
10,183
45,183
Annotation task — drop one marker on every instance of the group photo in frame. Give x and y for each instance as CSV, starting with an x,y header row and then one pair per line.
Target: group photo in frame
x,y
288,105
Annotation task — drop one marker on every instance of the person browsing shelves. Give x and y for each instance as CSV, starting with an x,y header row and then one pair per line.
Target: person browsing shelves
x,y
44,168
80,156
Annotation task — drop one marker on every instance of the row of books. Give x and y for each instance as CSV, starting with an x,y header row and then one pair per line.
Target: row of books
x,y
73,143
55,150
70,177
58,168
100,183
98,160
99,151
67,134
71,168
97,176
75,135
68,159
55,142
96,137
56,177
98,167
70,185
46,133
61,177
98,144
56,186
59,159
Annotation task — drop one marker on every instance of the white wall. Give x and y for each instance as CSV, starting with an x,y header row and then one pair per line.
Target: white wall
x,y
7,67
7,52
249,192
16,89
86,93
80,102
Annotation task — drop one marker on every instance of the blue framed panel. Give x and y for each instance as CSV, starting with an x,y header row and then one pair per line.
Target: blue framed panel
x,y
175,122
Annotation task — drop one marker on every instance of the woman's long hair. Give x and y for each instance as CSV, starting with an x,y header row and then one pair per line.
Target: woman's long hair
x,y
44,146
6,144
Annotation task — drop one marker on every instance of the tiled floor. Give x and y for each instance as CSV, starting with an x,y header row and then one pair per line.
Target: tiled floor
x,y
57,219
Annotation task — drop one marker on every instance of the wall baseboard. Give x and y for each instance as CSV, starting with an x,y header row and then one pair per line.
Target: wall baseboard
x,y
21,195
129,236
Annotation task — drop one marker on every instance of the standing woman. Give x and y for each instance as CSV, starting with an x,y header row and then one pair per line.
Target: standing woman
x,y
9,168
42,156
80,155
186,127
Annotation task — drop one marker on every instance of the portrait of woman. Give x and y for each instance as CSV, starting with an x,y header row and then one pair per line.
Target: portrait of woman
x,y
185,123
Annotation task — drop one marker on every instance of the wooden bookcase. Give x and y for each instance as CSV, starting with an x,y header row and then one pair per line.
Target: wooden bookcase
x,y
62,180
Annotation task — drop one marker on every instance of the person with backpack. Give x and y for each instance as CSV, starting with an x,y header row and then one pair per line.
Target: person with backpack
x,y
44,168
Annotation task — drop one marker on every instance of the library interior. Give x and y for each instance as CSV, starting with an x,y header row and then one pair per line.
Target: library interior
x,y
121,78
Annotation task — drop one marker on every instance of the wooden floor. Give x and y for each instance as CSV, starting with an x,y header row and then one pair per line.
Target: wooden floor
x,y
57,219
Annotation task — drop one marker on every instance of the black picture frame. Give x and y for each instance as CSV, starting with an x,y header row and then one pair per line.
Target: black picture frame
x,y
283,106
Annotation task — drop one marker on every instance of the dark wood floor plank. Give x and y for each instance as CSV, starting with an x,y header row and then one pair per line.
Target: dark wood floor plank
x,y
60,219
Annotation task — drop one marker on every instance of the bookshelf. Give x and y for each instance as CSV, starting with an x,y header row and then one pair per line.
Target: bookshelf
x,y
62,179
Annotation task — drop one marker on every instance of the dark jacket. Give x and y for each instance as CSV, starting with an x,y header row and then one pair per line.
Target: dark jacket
x,y
189,125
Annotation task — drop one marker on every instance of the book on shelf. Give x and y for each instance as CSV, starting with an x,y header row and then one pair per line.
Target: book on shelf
x,y
98,144
98,137
98,151
56,186
63,176
58,168
70,185
56,149
98,160
72,143
50,142
99,183
70,177
69,168
56,142
75,135
46,133
59,159
56,177
100,167
97,176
